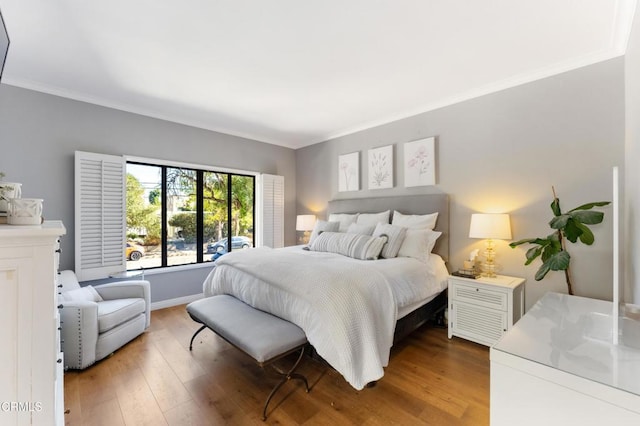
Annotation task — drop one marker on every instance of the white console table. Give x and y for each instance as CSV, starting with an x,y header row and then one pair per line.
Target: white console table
x,y
557,366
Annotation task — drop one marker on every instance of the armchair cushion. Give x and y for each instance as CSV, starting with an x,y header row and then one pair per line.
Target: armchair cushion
x,y
112,313
128,290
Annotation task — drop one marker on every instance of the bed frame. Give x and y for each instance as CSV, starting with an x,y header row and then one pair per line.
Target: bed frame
x,y
411,204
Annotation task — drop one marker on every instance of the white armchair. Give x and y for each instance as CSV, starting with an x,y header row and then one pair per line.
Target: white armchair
x,y
96,321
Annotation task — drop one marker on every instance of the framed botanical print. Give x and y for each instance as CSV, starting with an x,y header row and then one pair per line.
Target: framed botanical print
x,y
419,163
380,167
349,172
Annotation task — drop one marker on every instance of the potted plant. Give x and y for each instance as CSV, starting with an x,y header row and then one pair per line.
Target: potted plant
x,y
571,226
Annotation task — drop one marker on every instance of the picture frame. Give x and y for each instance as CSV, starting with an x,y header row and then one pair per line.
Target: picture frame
x,y
349,172
380,167
420,162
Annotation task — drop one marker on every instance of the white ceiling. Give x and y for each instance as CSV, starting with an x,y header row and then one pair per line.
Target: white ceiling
x,y
296,72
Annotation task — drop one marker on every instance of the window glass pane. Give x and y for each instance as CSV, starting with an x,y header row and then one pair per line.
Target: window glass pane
x,y
181,206
242,211
215,215
143,216
225,213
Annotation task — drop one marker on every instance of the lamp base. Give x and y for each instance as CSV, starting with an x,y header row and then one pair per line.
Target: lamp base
x,y
488,268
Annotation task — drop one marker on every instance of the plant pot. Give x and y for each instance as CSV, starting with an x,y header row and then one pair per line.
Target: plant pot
x,y
24,211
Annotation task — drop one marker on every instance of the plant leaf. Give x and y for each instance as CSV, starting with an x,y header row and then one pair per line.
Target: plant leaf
x,y
572,231
550,250
559,222
542,272
587,217
559,261
528,241
532,254
555,207
589,206
587,236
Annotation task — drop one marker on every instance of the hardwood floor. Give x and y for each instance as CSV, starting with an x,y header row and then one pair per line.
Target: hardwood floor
x,y
156,380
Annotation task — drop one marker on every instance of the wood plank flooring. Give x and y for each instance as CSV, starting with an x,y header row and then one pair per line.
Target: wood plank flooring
x,y
156,380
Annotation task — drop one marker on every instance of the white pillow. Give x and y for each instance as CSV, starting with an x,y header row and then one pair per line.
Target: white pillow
x,y
357,246
87,293
395,236
354,228
345,220
415,221
372,219
418,244
323,226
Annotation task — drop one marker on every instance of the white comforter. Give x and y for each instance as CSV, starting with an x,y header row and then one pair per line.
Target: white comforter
x,y
346,307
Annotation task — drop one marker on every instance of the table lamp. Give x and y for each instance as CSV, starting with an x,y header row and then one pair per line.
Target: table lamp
x,y
305,222
490,226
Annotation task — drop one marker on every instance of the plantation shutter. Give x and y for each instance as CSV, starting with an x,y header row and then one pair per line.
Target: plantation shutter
x,y
271,203
100,210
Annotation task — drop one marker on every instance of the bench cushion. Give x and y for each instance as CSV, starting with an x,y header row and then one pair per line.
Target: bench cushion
x,y
261,335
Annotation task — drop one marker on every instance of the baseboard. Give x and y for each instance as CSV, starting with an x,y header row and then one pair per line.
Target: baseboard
x,y
177,301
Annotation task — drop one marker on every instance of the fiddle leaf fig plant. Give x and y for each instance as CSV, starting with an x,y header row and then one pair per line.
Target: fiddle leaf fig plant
x,y
571,226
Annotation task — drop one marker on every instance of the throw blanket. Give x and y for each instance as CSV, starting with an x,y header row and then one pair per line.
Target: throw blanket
x,y
345,307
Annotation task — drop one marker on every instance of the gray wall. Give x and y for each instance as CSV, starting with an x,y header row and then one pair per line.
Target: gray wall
x,y
632,178
502,153
39,134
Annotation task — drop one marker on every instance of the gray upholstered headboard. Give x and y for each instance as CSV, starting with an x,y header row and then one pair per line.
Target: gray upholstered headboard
x,y
410,204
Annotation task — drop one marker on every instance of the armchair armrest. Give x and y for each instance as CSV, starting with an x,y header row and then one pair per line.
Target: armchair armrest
x,y
128,289
79,332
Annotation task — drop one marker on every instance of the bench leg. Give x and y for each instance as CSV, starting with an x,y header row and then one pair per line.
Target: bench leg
x,y
286,377
194,336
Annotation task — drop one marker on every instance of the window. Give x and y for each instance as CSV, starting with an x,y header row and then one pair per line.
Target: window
x,y
143,213
180,215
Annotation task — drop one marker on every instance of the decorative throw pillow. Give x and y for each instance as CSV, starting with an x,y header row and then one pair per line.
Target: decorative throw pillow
x,y
87,293
415,221
418,244
345,220
372,219
354,228
395,236
357,246
323,226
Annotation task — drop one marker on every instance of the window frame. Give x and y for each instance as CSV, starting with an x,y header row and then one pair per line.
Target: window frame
x,y
200,169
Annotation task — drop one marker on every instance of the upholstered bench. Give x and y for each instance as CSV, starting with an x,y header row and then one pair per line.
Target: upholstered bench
x,y
264,337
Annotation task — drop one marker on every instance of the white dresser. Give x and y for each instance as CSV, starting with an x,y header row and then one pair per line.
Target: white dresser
x,y
31,367
557,366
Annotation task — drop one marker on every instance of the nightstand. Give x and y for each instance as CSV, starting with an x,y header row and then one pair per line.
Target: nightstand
x,y
483,309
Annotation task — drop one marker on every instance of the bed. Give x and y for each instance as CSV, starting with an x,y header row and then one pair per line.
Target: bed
x,y
351,310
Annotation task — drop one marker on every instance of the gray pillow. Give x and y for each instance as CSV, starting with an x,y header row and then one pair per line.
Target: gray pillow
x,y
357,246
323,226
395,236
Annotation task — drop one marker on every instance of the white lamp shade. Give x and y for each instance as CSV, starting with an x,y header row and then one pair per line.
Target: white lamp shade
x,y
305,222
491,226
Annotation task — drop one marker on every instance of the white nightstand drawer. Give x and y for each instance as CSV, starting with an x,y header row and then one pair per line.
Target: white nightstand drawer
x,y
481,296
476,323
